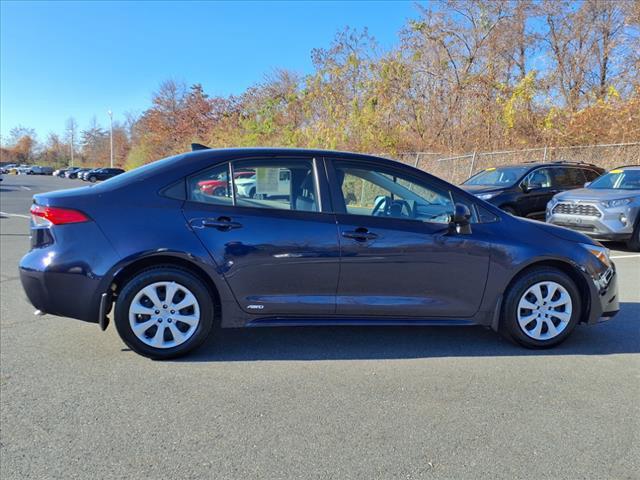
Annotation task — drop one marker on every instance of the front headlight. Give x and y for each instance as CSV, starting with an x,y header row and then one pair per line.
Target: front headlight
x,y
616,203
599,252
486,196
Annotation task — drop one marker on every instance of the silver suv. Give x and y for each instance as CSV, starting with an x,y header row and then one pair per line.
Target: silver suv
x,y
606,209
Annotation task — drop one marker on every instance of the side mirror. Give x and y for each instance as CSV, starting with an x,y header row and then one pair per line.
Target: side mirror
x,y
587,184
461,220
527,187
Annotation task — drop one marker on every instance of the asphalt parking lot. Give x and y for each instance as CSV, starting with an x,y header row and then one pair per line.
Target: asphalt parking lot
x,y
326,403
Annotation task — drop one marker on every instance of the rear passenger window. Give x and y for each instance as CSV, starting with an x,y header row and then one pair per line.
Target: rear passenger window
x,y
278,184
568,177
286,184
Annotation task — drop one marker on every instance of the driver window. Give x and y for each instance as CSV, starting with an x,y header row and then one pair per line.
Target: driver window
x,y
539,178
382,194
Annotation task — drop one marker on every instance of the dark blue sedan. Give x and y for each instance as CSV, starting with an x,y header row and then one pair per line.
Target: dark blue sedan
x,y
325,238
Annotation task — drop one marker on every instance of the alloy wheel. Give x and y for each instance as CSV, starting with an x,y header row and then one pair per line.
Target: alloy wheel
x,y
544,310
164,314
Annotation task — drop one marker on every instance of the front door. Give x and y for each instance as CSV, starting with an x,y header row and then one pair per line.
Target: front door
x,y
398,258
540,189
276,248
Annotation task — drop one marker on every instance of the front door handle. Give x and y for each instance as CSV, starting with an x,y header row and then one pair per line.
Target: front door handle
x,y
361,234
221,223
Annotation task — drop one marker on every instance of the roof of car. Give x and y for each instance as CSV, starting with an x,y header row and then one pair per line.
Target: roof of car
x,y
276,151
552,164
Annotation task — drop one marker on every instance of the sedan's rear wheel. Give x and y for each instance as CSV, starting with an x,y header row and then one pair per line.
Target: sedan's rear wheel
x,y
541,308
164,312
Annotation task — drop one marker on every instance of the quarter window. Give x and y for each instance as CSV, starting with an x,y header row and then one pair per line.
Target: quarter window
x,y
211,186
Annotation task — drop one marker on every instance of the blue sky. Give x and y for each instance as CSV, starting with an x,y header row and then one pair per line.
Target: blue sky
x,y
61,59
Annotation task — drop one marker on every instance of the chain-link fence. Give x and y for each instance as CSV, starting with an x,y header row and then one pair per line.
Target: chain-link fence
x,y
458,168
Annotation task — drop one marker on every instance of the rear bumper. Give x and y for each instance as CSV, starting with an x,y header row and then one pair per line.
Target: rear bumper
x,y
63,294
67,276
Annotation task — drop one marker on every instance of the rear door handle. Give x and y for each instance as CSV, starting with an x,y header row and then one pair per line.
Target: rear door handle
x,y
221,223
361,234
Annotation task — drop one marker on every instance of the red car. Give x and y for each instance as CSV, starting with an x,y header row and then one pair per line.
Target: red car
x,y
218,185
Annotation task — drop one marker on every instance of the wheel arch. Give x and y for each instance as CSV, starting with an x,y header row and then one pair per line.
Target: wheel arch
x,y
565,267
128,271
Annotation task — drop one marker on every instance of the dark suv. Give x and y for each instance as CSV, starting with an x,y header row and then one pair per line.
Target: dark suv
x,y
525,189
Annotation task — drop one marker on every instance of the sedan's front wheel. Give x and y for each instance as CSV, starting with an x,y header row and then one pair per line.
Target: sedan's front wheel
x,y
541,308
164,312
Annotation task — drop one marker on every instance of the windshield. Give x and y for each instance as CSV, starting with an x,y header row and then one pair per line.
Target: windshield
x,y
618,180
498,177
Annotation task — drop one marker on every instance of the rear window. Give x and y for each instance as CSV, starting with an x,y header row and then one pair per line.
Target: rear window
x,y
138,174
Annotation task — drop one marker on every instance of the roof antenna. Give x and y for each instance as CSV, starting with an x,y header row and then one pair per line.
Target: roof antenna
x,y
198,146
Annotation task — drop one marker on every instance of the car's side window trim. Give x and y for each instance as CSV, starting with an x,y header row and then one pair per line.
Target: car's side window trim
x,y
231,183
319,183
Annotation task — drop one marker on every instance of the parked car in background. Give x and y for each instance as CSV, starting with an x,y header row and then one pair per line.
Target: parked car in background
x,y
101,174
525,189
71,171
82,175
606,209
354,240
75,172
5,169
218,185
61,171
39,170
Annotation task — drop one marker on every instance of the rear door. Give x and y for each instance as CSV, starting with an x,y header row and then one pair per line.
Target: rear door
x,y
277,250
397,257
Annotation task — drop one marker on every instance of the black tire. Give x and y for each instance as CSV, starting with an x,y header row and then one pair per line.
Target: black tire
x,y
160,274
633,243
510,210
509,325
252,193
92,179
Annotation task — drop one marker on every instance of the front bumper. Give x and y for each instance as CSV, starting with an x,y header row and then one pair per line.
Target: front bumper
x,y
601,223
603,290
614,224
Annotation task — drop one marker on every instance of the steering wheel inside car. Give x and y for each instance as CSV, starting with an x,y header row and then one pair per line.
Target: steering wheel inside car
x,y
381,206
388,207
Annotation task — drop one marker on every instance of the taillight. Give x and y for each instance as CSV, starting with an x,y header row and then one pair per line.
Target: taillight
x,y
56,215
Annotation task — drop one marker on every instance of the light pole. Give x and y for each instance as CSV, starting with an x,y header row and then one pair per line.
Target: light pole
x,y
71,131
110,113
